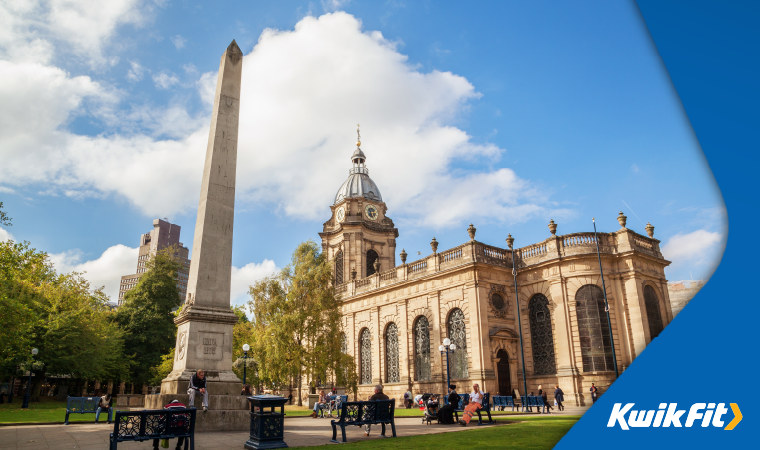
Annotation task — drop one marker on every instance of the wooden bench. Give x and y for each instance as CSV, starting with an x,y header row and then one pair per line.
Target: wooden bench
x,y
486,407
84,405
375,412
138,426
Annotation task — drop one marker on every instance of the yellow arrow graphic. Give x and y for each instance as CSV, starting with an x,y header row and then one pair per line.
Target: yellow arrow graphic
x,y
737,417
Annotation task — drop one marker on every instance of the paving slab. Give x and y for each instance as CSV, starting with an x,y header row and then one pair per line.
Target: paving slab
x,y
302,431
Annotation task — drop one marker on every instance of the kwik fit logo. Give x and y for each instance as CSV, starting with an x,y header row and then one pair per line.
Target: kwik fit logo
x,y
668,415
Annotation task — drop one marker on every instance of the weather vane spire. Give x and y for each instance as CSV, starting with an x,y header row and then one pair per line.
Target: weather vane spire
x,y
358,136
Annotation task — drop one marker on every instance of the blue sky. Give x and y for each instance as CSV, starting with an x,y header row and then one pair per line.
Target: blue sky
x,y
503,114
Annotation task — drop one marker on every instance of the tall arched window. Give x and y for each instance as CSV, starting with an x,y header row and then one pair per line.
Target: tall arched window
x,y
541,336
339,267
422,349
371,258
391,354
458,336
593,332
653,311
366,357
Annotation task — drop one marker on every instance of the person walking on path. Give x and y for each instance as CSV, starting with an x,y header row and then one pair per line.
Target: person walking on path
x,y
378,395
408,398
104,406
476,399
198,386
559,396
175,404
593,393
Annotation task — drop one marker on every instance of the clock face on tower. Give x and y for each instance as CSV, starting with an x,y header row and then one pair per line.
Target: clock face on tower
x,y
371,212
340,214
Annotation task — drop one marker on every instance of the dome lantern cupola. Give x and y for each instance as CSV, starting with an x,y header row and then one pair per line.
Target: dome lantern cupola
x,y
358,184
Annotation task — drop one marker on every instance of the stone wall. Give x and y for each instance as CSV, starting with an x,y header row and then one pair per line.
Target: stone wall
x,y
681,292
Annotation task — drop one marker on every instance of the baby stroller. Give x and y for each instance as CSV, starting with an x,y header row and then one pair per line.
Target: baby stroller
x,y
430,408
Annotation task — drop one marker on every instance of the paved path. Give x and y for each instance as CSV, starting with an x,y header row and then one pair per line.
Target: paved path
x,y
298,432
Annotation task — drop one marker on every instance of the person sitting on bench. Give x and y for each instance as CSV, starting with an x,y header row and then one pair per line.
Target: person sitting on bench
x,y
378,395
104,406
175,404
476,397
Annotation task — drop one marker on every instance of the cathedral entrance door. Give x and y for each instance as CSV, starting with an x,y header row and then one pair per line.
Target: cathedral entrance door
x,y
502,368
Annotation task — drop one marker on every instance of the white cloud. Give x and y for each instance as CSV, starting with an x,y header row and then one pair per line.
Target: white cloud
x,y
5,235
303,92
699,251
32,29
106,270
7,190
178,41
135,72
245,276
165,80
333,5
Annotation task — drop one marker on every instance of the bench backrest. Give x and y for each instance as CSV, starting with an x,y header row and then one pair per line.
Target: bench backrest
x,y
486,403
82,404
160,423
367,412
509,401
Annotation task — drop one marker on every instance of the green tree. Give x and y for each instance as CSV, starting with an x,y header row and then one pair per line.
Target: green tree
x,y
146,318
59,314
4,219
296,326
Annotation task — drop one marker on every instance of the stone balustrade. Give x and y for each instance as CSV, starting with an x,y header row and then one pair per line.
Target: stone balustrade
x,y
555,247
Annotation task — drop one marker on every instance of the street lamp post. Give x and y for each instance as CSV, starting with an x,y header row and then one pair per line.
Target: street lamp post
x,y
246,347
447,347
510,242
29,384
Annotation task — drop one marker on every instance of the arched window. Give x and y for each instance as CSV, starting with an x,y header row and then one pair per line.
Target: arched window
x,y
391,354
371,258
541,336
422,349
458,336
653,312
339,267
366,357
593,332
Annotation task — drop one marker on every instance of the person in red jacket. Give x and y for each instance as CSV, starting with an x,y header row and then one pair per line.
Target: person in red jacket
x,y
175,404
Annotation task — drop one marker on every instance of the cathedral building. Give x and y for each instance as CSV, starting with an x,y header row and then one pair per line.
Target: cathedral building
x,y
395,316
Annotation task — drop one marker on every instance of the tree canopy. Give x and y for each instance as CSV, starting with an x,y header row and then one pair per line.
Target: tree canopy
x,y
146,318
296,325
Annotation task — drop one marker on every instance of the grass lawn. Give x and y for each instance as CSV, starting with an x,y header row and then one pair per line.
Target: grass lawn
x,y
47,411
526,432
297,411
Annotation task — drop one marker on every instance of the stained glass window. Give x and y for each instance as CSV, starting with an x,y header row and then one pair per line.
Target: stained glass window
x,y
391,354
366,357
422,349
371,258
541,335
594,334
653,311
458,336
339,267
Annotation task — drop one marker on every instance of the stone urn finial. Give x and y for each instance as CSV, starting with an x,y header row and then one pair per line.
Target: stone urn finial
x,y
510,240
552,227
376,265
471,231
403,256
650,230
434,245
622,218
353,273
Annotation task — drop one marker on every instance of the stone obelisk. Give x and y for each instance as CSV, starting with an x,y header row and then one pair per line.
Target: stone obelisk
x,y
204,333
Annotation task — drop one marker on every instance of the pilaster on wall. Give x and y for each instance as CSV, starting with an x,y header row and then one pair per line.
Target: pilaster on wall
x,y
377,346
565,353
637,311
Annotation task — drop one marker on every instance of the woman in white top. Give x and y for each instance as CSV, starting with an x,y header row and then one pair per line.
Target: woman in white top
x,y
475,403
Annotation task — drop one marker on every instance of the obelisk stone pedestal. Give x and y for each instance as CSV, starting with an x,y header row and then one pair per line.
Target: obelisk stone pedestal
x,y
204,334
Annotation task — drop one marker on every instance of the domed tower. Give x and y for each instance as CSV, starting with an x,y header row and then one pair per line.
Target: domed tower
x,y
359,236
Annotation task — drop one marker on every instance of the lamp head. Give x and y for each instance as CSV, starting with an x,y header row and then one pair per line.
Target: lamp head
x,y
440,348
35,351
246,347
453,346
447,342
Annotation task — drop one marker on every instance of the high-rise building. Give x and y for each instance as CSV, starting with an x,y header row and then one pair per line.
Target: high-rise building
x,y
163,235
